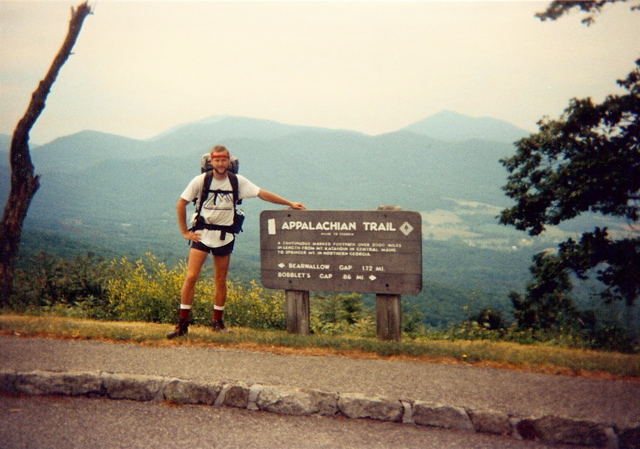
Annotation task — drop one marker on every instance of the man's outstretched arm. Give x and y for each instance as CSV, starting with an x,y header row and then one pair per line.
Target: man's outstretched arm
x,y
265,195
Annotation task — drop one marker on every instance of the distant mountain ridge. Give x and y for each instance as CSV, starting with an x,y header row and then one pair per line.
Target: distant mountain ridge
x,y
103,178
120,193
230,127
444,125
338,169
451,126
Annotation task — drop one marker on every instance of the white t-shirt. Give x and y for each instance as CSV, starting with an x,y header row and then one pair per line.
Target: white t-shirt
x,y
218,208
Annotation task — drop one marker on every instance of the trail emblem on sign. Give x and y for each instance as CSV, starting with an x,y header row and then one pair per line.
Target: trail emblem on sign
x,y
406,228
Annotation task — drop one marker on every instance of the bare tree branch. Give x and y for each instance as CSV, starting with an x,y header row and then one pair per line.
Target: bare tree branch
x,y
24,183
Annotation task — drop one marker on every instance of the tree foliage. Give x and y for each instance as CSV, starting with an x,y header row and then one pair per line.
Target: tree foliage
x,y
548,303
557,9
587,161
47,281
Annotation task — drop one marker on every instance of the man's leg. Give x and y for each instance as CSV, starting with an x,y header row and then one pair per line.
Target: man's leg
x,y
197,259
221,269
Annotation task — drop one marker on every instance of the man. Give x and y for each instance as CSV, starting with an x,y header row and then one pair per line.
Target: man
x,y
218,209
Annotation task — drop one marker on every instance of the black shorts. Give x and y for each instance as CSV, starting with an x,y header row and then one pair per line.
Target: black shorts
x,y
219,251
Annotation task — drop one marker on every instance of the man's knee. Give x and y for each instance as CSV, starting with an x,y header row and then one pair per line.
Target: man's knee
x,y
191,278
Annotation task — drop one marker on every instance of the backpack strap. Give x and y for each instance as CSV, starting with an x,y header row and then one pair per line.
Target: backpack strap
x,y
204,194
233,179
199,202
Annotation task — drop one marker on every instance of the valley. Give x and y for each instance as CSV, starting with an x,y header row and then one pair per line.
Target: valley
x,y
116,196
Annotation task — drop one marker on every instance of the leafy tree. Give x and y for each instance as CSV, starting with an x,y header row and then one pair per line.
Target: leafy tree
x,y
587,161
557,9
489,319
548,303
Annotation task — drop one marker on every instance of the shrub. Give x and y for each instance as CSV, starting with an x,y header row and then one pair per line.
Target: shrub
x,y
49,284
339,313
145,290
255,307
489,319
148,291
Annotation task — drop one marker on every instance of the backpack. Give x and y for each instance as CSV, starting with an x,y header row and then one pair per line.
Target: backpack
x,y
238,216
205,163
234,166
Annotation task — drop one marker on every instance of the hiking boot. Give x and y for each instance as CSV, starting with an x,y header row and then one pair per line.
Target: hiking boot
x,y
218,326
182,328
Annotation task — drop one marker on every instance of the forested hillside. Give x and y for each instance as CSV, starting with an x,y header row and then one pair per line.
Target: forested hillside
x,y
116,196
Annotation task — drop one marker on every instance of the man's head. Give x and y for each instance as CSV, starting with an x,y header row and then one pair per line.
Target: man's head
x,y
220,159
218,150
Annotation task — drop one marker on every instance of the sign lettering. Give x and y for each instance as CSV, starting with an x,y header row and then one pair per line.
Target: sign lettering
x,y
350,251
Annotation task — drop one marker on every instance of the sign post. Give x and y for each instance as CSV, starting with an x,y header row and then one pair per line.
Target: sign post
x,y
346,251
298,312
389,317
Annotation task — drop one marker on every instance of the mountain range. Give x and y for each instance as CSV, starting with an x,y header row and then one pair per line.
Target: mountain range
x,y
119,193
104,180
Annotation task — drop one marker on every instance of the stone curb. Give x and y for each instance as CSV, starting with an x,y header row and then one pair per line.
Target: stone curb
x,y
299,401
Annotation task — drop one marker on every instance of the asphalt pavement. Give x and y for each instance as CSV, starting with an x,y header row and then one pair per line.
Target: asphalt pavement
x,y
55,422
519,394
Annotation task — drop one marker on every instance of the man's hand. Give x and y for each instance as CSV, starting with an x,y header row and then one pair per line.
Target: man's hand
x,y
194,237
298,206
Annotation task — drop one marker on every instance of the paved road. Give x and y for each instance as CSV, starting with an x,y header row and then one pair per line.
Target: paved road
x,y
76,422
516,393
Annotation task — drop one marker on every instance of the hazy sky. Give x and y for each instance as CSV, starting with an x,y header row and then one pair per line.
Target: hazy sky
x,y
142,67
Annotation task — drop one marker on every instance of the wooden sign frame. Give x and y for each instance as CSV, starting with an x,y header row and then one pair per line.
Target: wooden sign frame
x,y
344,251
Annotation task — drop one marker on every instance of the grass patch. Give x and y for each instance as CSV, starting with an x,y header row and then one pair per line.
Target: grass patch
x,y
532,358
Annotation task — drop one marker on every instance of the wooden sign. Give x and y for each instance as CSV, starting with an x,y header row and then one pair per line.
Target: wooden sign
x,y
342,251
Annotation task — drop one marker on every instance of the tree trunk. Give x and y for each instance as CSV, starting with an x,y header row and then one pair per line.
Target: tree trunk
x,y
24,183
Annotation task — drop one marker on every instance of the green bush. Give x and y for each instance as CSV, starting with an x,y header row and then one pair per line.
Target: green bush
x,y
49,284
148,291
334,314
255,307
145,290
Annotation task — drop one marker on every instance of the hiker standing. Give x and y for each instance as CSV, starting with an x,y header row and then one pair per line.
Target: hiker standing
x,y
214,231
